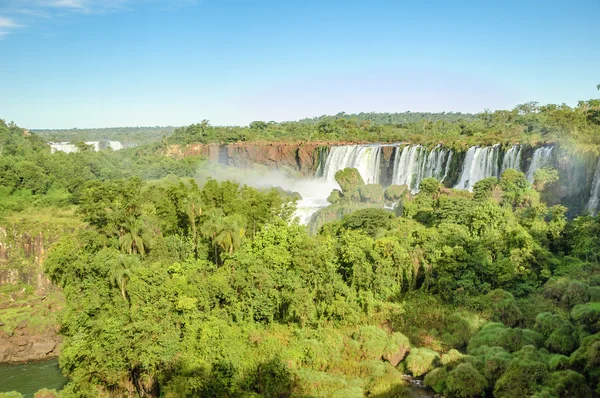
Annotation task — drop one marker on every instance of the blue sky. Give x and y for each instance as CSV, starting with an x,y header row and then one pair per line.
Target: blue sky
x,y
99,63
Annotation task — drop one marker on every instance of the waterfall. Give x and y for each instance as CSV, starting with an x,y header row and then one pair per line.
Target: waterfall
x,y
595,194
479,163
512,159
70,148
541,158
413,163
114,145
62,147
365,158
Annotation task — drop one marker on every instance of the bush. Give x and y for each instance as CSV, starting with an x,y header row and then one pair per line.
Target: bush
x,y
396,349
521,379
503,307
563,340
436,379
465,381
587,316
568,383
372,193
495,361
421,361
497,335
394,193
546,323
576,293
373,341
350,181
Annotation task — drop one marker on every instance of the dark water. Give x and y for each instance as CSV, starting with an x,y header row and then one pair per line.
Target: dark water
x,y
30,377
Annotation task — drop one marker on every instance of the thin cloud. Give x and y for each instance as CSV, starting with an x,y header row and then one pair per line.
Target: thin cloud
x,y
6,25
15,11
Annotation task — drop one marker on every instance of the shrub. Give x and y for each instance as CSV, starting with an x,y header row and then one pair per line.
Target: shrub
x,y
396,349
496,334
568,383
576,293
373,341
421,361
436,379
563,340
547,322
521,379
466,382
451,357
395,193
371,193
503,307
587,316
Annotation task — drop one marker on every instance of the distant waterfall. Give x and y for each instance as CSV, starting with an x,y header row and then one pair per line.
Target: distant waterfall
x,y
541,158
512,159
62,147
479,163
97,145
595,194
413,163
114,145
365,158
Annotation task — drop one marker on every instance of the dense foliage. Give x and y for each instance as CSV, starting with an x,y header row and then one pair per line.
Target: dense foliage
x,y
176,289
31,176
525,123
127,135
181,290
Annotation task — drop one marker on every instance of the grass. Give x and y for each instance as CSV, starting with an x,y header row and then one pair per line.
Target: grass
x,y
41,316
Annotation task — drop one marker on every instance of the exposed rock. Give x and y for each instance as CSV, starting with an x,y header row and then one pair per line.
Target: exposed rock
x,y
15,349
299,156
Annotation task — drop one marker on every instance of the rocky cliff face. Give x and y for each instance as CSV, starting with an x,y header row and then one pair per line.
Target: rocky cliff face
x,y
28,328
28,300
303,157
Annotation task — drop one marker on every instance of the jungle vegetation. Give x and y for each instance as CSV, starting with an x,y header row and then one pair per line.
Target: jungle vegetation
x,y
526,123
177,289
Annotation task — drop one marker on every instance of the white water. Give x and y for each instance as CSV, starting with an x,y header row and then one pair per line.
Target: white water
x,y
541,158
70,148
63,147
365,158
479,163
413,163
595,194
512,159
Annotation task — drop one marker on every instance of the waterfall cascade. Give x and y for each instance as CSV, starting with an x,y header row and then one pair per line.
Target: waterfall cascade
x,y
480,163
365,158
595,193
68,147
542,157
413,163
512,159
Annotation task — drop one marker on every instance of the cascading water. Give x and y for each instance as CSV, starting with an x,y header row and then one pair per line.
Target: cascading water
x,y
70,148
365,158
62,147
512,159
114,145
595,194
414,163
541,158
479,163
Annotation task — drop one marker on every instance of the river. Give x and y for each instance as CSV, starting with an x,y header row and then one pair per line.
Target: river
x,y
28,378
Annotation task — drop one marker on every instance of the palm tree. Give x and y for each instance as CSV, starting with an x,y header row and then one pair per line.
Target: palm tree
x,y
230,236
130,237
120,272
211,227
193,210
